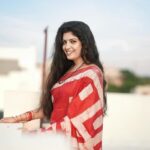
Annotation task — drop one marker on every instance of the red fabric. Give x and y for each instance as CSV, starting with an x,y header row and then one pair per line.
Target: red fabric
x,y
78,107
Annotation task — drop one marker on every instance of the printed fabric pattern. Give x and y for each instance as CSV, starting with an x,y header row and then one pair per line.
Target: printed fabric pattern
x,y
78,108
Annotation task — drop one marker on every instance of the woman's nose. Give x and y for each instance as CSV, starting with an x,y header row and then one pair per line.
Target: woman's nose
x,y
68,45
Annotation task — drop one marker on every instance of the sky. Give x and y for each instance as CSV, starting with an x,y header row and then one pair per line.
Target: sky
x,y
121,27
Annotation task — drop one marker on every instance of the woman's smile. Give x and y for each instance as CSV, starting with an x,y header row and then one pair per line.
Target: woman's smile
x,y
69,52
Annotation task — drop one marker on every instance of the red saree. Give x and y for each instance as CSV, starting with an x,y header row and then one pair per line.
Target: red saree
x,y
78,107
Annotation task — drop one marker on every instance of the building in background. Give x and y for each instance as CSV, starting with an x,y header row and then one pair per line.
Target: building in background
x,y
113,76
18,71
142,89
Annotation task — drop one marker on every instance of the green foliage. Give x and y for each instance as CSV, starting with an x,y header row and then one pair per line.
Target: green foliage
x,y
130,81
113,88
144,80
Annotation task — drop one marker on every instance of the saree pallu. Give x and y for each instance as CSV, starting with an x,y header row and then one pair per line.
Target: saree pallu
x,y
78,108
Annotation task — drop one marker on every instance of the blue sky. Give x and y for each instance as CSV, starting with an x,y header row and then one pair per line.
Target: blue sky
x,y
121,28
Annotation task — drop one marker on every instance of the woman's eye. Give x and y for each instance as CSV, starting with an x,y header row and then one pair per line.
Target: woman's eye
x,y
72,41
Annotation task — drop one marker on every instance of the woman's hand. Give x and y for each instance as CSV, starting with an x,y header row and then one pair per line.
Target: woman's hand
x,y
8,120
27,116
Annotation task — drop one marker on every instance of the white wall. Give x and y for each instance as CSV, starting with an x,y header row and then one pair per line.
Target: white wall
x,y
28,79
127,124
27,57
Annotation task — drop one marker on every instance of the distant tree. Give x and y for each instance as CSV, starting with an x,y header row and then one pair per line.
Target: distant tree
x,y
144,80
130,81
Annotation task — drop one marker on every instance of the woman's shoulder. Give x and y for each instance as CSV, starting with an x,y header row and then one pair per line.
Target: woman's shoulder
x,y
91,70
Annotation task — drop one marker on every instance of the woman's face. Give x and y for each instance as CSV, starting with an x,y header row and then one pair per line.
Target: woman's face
x,y
72,47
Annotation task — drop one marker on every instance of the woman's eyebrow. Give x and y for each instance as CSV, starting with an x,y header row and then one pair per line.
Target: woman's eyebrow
x,y
70,39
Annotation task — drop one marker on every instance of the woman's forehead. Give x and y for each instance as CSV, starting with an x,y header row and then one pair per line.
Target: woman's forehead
x,y
69,35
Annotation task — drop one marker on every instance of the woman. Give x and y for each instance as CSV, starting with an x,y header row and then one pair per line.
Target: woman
x,y
74,98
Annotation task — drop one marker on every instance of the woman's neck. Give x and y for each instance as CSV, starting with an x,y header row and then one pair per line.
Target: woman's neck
x,y
77,66
78,62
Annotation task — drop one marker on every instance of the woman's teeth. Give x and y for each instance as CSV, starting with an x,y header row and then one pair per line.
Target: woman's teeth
x,y
69,52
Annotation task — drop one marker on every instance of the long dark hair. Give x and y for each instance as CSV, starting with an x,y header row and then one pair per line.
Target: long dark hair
x,y
60,64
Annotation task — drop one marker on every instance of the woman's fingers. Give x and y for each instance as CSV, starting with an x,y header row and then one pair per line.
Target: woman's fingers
x,y
8,120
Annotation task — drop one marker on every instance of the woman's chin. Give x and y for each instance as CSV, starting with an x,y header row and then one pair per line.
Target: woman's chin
x,y
70,58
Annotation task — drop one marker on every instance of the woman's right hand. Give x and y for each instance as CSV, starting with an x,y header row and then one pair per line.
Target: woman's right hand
x,y
8,120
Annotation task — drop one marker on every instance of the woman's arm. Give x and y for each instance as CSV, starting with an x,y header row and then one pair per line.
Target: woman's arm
x,y
27,116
